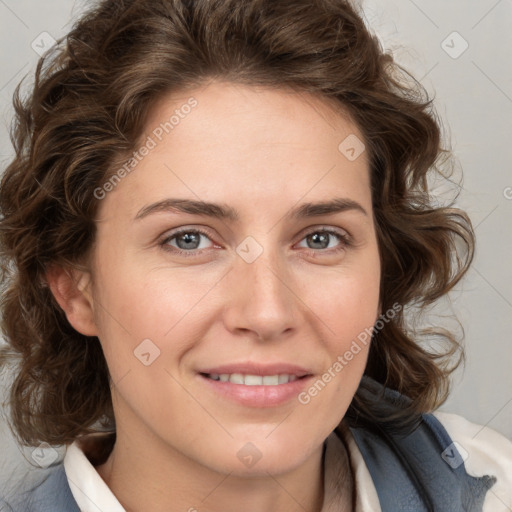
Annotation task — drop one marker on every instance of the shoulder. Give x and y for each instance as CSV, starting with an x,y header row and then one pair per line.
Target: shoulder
x,y
483,451
420,467
51,495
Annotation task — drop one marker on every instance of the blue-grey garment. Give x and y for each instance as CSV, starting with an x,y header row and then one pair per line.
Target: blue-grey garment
x,y
420,471
414,472
52,495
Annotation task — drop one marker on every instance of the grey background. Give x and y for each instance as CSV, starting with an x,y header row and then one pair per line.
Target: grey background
x,y
473,94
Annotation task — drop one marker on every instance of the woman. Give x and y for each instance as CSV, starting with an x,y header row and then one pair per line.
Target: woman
x,y
216,216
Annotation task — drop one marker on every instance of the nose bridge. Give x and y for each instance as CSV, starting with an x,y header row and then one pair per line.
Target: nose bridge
x,y
261,289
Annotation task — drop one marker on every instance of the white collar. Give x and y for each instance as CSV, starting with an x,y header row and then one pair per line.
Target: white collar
x,y
93,495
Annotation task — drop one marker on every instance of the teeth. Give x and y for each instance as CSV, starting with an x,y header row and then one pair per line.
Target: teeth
x,y
270,380
253,380
236,378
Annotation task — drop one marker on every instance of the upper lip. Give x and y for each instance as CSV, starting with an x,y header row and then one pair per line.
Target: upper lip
x,y
253,368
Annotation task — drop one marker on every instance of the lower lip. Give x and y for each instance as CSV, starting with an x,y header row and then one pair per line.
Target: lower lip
x,y
258,396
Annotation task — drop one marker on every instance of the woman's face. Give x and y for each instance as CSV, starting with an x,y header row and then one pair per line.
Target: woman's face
x,y
248,275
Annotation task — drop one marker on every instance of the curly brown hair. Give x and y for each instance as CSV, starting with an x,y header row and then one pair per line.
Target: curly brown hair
x,y
85,113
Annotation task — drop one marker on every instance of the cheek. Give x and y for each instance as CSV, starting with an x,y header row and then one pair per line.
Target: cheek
x,y
135,304
346,300
354,310
348,308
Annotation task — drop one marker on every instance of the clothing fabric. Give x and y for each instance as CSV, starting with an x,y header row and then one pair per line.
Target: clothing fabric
x,y
446,464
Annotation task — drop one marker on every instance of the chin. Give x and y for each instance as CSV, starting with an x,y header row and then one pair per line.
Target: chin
x,y
258,455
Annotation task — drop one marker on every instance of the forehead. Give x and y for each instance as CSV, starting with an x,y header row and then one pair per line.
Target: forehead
x,y
220,105
235,143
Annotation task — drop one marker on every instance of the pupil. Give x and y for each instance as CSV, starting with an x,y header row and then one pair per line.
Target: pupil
x,y
321,238
188,238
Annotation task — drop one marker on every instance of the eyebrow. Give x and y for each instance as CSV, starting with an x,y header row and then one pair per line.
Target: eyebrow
x,y
226,212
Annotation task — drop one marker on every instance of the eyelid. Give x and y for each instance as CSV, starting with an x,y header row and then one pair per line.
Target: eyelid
x,y
326,228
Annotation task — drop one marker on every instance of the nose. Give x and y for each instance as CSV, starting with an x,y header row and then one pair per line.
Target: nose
x,y
261,298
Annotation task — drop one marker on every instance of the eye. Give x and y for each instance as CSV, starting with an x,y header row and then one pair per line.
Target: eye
x,y
322,238
186,242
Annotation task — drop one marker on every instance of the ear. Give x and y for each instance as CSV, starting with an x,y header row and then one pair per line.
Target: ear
x,y
71,290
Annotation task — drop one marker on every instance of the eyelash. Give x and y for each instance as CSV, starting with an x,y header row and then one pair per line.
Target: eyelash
x,y
345,241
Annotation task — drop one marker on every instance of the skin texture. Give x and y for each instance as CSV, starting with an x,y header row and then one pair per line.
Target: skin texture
x,y
262,152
